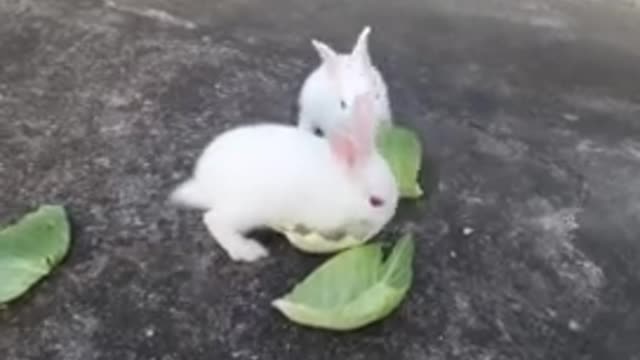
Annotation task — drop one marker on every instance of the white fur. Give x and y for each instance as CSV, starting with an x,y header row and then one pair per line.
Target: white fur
x,y
341,77
269,174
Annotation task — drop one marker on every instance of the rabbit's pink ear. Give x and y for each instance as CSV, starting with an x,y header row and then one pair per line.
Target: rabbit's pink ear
x,y
344,147
354,144
326,53
361,48
363,120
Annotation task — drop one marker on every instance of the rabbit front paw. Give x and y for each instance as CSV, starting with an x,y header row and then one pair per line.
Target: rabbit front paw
x,y
237,246
246,250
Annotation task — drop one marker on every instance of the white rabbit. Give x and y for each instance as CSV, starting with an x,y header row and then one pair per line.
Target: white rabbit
x,y
271,174
327,95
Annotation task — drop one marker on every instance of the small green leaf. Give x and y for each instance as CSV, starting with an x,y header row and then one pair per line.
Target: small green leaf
x,y
352,289
402,149
30,248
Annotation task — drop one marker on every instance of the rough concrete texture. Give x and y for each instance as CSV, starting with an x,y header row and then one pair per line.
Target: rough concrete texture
x,y
529,110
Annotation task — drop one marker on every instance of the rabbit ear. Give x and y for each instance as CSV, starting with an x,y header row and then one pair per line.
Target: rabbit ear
x,y
362,118
355,142
326,53
344,147
361,48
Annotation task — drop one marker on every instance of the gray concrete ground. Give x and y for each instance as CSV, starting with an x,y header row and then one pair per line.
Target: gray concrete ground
x,y
530,110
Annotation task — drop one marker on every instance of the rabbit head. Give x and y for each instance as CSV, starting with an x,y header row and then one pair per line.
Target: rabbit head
x,y
328,94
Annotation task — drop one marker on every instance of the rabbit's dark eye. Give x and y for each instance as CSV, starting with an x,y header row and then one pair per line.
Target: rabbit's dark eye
x,y
376,201
343,104
317,131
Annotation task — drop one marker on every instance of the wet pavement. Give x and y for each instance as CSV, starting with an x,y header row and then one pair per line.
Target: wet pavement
x,y
529,111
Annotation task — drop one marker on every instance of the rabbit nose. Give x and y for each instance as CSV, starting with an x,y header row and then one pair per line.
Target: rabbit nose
x,y
376,201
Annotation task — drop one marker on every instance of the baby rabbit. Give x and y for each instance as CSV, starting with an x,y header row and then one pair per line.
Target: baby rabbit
x,y
270,174
328,94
